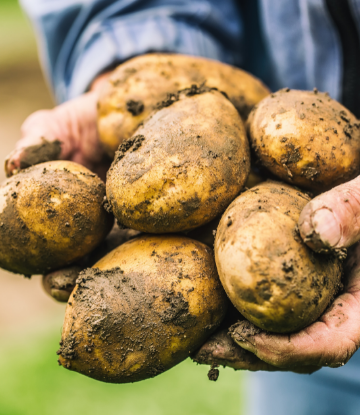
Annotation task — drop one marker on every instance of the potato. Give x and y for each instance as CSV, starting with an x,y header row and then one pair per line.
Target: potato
x,y
142,309
269,274
182,168
51,214
206,234
306,138
138,85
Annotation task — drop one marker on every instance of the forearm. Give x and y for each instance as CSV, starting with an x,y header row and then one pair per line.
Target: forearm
x,y
80,41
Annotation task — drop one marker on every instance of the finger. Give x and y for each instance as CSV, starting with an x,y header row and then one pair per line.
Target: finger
x,y
60,284
331,341
71,126
221,350
332,219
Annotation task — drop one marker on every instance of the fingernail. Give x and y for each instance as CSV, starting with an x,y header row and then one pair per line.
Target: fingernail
x,y
327,227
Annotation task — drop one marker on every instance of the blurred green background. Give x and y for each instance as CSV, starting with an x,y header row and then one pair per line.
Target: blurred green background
x,y
31,382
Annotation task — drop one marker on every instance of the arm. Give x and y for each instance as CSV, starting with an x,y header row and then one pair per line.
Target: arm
x,y
80,41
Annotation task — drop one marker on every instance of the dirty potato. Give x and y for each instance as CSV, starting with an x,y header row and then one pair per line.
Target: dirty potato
x,y
183,167
51,214
306,138
137,86
142,309
269,274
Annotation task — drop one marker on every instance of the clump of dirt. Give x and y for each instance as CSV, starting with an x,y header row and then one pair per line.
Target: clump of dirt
x,y
135,107
132,142
213,373
187,92
242,330
40,153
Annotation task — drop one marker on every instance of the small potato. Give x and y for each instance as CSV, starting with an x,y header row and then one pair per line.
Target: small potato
x,y
138,85
269,274
306,138
51,215
142,309
182,168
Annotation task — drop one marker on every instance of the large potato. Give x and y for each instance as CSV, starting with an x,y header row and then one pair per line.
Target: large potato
x,y
182,168
142,309
51,214
138,85
269,274
306,138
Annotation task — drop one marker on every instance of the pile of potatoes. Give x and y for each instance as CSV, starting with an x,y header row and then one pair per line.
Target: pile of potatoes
x,y
180,130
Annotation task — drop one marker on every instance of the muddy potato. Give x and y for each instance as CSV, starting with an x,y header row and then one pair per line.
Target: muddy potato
x,y
306,138
142,309
182,168
137,86
269,274
51,214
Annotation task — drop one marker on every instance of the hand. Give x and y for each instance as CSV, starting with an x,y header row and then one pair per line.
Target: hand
x,y
73,124
330,221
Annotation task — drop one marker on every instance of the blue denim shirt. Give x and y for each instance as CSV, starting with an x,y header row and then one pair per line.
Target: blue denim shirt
x,y
293,43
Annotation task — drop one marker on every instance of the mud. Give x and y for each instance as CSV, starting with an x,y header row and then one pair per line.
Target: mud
x,y
40,153
242,330
135,107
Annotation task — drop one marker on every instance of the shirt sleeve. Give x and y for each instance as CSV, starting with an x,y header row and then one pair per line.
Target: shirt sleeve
x,y
79,39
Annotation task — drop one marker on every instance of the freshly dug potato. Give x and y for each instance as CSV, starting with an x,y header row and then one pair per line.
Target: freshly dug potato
x,y
51,214
306,138
269,274
138,85
142,309
183,167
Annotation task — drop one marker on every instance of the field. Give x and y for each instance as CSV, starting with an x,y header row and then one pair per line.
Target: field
x,y
31,382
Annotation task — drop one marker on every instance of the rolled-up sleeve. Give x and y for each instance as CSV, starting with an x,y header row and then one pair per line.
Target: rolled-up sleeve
x,y
79,39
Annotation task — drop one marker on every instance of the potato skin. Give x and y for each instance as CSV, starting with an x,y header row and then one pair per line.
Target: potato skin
x,y
136,86
182,168
142,309
306,138
269,274
51,214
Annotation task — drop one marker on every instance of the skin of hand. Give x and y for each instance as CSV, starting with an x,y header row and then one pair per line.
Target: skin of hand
x,y
331,221
73,124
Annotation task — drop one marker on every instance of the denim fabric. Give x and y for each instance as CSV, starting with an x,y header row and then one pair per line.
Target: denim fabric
x,y
79,39
326,392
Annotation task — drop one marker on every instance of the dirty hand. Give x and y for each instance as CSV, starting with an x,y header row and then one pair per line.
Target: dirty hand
x,y
330,221
71,126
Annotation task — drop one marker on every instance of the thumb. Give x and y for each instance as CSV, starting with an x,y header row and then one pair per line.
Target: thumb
x,y
332,219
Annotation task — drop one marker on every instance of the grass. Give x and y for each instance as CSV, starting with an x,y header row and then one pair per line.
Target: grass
x,y
17,42
32,383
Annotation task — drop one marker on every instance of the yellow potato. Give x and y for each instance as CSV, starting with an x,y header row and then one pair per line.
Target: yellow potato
x,y
51,214
306,138
138,85
269,274
182,168
142,309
